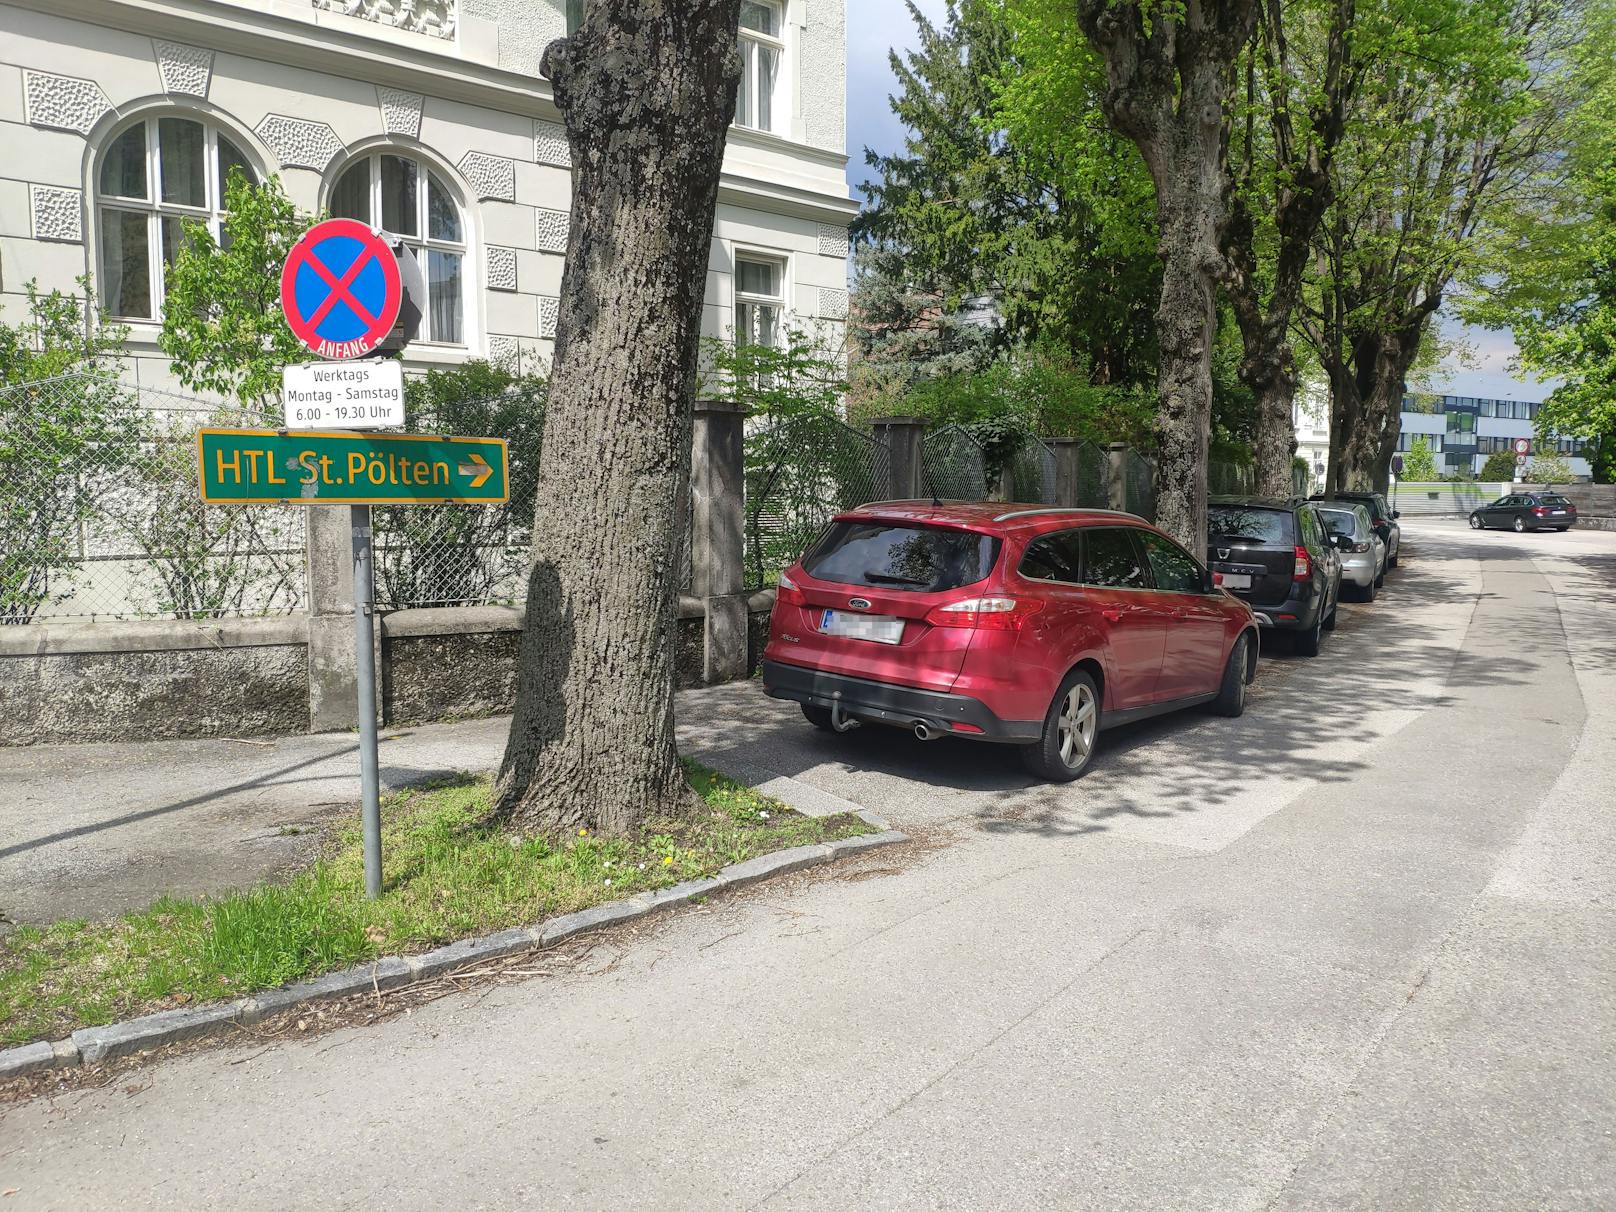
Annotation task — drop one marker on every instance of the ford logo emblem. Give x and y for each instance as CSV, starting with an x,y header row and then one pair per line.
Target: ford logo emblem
x,y
859,603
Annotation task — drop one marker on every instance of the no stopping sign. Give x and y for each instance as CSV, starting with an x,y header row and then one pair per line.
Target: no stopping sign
x,y
341,289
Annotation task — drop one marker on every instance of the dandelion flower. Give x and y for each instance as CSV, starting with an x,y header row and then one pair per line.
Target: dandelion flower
x,y
667,860
583,833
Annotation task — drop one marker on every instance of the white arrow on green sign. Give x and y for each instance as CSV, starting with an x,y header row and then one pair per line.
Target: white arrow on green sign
x,y
242,466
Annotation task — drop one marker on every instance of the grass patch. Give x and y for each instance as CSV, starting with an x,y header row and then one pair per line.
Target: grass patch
x,y
444,878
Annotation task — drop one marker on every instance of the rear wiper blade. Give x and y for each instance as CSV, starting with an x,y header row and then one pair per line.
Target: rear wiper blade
x,y
887,578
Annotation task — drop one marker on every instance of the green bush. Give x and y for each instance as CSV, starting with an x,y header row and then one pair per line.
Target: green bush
x,y
1500,465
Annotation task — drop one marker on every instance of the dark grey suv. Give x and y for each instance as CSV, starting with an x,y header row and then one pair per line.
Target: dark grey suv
x,y
1276,555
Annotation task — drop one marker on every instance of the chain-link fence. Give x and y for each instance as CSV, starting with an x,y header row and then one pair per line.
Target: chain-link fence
x,y
801,471
953,464
465,555
1029,472
1229,478
101,515
1139,485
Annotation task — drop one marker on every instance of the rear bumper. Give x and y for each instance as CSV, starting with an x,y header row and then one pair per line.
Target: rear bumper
x,y
1303,612
889,704
1360,570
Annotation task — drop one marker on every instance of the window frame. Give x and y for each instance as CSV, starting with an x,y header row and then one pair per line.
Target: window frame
x,y
151,207
1074,534
750,42
744,298
422,242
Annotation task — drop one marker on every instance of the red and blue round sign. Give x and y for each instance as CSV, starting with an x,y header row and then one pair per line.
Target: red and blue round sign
x,y
341,289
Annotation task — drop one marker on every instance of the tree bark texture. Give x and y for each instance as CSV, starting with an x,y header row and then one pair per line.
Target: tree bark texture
x,y
1169,76
647,91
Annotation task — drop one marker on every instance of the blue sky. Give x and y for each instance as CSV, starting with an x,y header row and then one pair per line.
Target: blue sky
x,y
874,26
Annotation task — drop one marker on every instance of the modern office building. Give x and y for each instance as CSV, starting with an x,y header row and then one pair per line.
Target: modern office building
x,y
426,118
1462,431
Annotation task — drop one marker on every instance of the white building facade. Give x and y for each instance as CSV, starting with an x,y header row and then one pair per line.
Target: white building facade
x,y
120,119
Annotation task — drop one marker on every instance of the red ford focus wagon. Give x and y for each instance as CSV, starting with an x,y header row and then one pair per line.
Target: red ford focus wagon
x,y
1022,624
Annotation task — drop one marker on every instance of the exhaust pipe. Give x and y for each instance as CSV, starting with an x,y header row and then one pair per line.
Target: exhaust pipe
x,y
925,732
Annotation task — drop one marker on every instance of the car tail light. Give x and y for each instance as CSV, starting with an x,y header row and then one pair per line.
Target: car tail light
x,y
787,593
1360,548
987,614
1304,566
1539,511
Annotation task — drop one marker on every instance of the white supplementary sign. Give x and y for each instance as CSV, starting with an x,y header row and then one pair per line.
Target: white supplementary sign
x,y
366,394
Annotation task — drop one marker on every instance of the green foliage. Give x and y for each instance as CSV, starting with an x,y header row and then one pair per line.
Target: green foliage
x,y
1051,238
1419,464
1576,338
1550,469
222,322
446,875
1500,466
430,555
66,427
1043,389
801,374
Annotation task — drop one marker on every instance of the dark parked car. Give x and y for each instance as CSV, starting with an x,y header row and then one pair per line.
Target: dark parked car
x,y
1022,624
1276,554
1526,511
1381,515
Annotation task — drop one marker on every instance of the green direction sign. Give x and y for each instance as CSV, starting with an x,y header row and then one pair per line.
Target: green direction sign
x,y
240,466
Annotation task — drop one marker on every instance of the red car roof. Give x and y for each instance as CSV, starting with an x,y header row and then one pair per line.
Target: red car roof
x,y
995,517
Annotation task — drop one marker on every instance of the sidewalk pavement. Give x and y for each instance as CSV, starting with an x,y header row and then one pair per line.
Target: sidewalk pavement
x,y
94,830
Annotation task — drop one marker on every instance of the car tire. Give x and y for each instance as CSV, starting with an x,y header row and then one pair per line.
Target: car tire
x,y
1335,609
1231,700
818,716
1562,529
1373,590
1476,523
1391,560
1380,581
1520,524
1066,747
1308,642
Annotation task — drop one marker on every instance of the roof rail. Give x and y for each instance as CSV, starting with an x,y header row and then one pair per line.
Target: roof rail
x,y
1029,513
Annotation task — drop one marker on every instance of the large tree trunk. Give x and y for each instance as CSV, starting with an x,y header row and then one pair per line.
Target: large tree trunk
x,y
647,91
1186,323
1168,79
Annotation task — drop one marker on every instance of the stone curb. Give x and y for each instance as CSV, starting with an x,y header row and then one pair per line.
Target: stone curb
x,y
91,1044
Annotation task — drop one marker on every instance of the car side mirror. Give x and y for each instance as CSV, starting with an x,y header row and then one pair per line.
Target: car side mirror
x,y
1396,513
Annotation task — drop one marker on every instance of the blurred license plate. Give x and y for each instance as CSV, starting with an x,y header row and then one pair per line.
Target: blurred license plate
x,y
1559,511
882,628
1237,580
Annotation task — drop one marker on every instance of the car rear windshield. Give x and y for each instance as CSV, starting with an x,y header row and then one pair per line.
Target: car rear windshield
x,y
1340,521
885,555
1557,502
1252,524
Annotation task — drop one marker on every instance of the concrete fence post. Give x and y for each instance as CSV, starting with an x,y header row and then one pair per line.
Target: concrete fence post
x,y
1067,469
904,438
1116,475
333,673
718,536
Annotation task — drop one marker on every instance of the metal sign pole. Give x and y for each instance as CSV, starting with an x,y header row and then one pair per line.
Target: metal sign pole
x,y
364,656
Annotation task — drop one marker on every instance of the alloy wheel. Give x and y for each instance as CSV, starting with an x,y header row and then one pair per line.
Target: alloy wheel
x,y
1076,726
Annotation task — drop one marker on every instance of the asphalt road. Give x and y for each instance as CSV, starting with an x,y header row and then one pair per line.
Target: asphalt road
x,y
1356,950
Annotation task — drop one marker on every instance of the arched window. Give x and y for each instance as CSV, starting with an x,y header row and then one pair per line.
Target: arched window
x,y
405,198
152,176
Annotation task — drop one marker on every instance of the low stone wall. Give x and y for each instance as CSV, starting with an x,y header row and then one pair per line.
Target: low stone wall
x,y
153,681
75,682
